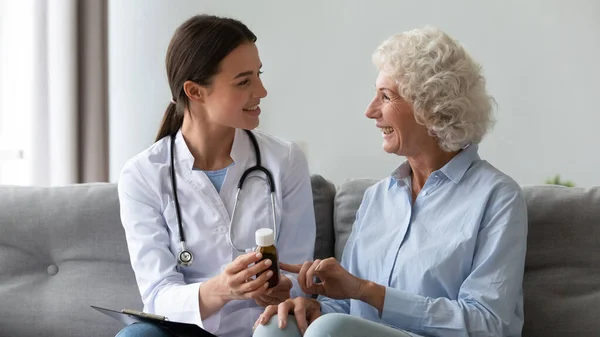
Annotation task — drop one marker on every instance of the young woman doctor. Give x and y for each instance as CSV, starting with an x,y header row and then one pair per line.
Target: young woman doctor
x,y
213,68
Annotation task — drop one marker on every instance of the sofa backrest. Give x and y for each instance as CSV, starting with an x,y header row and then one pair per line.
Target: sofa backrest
x,y
562,269
63,249
323,195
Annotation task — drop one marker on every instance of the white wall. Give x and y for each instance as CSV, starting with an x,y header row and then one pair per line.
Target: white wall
x,y
540,57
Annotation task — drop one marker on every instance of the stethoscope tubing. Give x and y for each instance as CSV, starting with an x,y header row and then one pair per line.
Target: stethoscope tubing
x,y
185,257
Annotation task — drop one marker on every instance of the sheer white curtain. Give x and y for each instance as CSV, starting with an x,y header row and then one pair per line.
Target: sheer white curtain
x,y
17,35
53,109
61,42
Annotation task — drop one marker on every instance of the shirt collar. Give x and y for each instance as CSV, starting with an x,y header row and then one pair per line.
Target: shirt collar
x,y
400,174
454,170
239,150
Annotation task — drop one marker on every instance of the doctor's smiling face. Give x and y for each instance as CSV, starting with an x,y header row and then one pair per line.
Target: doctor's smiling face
x,y
233,97
213,68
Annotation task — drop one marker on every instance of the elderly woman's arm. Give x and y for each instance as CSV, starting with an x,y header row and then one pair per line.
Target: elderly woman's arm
x,y
487,298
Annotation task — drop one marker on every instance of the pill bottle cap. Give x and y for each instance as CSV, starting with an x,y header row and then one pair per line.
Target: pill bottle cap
x,y
264,237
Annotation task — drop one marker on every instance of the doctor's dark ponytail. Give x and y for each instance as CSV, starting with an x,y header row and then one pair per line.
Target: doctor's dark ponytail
x,y
171,122
194,54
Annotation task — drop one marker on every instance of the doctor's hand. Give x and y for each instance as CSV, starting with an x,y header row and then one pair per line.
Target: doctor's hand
x,y
336,282
237,283
305,310
277,294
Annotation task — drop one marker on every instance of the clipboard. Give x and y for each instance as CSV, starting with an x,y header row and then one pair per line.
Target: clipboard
x,y
128,317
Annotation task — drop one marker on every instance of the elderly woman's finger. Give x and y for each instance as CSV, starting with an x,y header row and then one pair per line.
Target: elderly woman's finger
x,y
302,276
267,314
283,310
310,273
300,315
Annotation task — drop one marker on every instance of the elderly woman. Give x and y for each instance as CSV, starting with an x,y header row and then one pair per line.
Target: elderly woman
x,y
438,248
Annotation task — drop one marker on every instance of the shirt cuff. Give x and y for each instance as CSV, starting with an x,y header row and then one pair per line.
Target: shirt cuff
x,y
402,309
326,308
212,323
181,303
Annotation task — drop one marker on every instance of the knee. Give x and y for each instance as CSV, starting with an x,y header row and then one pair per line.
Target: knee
x,y
142,330
271,328
328,325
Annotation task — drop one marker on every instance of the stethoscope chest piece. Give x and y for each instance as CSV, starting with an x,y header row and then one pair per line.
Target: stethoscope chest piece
x,y
185,257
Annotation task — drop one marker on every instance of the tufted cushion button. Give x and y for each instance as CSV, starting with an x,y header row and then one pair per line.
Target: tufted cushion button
x,y
52,270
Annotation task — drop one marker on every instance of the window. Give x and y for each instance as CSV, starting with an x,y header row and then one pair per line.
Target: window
x,y
17,89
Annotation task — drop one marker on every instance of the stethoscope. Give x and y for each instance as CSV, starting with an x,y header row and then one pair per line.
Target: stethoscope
x,y
185,256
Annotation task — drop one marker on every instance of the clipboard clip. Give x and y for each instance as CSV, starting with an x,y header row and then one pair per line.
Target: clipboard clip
x,y
144,314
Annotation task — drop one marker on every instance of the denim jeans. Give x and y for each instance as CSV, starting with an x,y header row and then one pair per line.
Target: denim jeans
x,y
143,330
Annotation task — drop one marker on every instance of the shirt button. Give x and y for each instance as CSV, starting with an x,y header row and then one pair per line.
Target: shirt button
x,y
222,229
52,270
424,192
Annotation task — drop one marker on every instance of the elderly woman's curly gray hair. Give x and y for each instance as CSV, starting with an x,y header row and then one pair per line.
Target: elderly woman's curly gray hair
x,y
442,82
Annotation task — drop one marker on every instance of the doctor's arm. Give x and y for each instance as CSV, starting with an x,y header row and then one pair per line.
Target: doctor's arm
x,y
298,229
162,287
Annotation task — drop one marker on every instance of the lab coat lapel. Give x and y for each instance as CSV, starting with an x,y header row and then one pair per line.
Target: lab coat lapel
x,y
199,182
241,152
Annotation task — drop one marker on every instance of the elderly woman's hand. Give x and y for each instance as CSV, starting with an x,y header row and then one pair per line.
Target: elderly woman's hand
x,y
305,310
336,282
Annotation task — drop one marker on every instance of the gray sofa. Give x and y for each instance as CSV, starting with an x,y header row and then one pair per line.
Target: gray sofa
x,y
62,249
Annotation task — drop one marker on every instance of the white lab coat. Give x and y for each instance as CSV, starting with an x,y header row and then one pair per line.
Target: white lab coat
x,y
149,219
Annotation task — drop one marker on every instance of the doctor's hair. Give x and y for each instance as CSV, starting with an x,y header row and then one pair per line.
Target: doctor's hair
x,y
195,52
443,83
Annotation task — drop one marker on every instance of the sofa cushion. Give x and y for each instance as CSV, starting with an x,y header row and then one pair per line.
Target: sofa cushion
x,y
562,270
347,200
323,195
62,249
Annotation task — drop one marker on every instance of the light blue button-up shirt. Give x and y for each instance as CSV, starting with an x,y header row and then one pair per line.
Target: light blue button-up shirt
x,y
452,262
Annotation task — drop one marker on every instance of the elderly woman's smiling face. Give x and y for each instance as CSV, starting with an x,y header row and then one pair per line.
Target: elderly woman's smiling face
x,y
401,133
